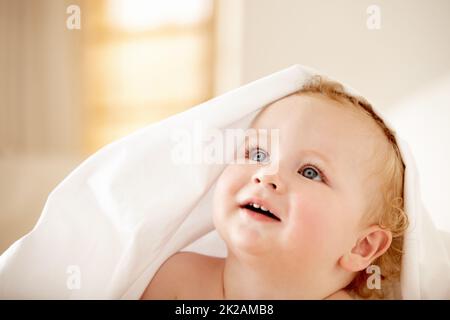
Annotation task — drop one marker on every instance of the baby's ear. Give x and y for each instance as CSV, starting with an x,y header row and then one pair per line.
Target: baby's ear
x,y
373,242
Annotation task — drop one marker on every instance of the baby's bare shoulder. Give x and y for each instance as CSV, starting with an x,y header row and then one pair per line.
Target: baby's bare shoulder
x,y
180,274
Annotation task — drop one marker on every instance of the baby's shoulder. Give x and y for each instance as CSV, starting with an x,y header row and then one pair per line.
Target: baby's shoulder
x,y
181,274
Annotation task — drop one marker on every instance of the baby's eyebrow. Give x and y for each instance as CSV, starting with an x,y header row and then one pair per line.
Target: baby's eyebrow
x,y
319,155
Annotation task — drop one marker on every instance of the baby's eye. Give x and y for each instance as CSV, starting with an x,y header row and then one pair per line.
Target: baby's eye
x,y
311,173
257,154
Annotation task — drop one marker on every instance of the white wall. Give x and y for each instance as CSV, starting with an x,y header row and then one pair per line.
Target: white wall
x,y
411,49
423,120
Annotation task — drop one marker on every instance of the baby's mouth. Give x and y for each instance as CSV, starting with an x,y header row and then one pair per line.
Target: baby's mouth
x,y
260,210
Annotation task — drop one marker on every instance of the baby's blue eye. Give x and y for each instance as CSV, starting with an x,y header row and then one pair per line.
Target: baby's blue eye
x,y
258,155
310,173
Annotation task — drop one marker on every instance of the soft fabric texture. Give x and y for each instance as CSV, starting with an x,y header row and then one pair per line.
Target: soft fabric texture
x,y
121,213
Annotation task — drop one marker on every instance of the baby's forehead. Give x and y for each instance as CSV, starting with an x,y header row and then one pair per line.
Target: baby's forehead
x,y
318,114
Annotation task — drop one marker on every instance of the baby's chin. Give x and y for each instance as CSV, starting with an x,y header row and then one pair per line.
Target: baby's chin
x,y
246,249
246,241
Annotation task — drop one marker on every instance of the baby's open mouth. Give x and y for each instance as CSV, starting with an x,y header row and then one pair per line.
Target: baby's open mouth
x,y
260,210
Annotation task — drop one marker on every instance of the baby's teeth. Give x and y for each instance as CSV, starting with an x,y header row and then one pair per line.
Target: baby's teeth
x,y
255,205
264,209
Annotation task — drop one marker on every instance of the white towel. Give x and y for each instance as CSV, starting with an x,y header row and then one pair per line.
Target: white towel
x,y
108,227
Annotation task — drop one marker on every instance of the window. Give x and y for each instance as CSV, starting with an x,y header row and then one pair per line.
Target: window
x,y
144,61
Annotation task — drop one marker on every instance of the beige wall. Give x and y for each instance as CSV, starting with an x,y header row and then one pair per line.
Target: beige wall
x,y
40,79
40,108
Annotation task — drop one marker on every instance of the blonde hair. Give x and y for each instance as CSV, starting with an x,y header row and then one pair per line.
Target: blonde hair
x,y
390,214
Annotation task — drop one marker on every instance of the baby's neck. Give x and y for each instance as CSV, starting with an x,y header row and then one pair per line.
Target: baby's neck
x,y
242,281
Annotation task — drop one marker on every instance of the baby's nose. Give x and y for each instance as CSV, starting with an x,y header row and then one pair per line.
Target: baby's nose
x,y
269,180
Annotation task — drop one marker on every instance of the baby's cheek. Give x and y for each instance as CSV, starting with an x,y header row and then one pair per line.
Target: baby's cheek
x,y
226,186
313,224
310,224
227,189
231,179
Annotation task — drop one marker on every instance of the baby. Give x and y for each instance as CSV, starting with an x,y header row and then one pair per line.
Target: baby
x,y
311,228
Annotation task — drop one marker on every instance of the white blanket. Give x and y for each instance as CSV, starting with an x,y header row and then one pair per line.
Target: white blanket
x,y
107,227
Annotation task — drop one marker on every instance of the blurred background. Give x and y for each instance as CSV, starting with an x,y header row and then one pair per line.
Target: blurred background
x,y
76,75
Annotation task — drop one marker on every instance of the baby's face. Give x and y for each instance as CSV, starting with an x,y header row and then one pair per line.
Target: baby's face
x,y
320,212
